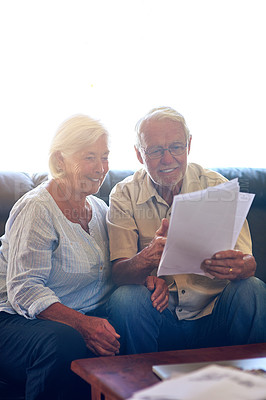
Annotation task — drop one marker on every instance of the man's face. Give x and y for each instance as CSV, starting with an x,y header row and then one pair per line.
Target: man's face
x,y
168,170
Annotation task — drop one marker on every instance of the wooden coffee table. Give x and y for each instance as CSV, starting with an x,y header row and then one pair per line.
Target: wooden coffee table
x,y
118,377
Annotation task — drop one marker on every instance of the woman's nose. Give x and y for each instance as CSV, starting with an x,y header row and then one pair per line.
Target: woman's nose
x,y
99,165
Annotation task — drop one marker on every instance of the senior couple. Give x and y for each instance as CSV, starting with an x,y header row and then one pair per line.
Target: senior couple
x,y
60,297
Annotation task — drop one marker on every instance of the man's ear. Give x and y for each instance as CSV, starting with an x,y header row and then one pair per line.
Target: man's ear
x,y
139,155
189,144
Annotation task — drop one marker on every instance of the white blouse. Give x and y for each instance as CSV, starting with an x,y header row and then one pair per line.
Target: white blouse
x,y
45,258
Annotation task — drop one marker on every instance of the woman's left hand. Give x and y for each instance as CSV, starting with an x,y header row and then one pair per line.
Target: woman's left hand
x,y
160,295
230,264
100,336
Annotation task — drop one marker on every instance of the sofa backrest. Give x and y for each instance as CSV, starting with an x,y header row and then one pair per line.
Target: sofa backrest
x,y
252,180
13,185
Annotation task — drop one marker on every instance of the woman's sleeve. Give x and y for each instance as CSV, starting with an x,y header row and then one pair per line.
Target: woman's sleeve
x,y
32,239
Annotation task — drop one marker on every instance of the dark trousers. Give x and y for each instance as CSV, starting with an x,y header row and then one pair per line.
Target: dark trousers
x,y
36,354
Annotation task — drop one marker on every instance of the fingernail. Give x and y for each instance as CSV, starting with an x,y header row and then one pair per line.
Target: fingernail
x,y
208,262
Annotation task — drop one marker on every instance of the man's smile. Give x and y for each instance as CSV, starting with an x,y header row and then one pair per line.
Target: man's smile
x,y
166,171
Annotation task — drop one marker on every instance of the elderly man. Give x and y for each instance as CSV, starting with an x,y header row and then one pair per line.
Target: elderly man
x,y
185,310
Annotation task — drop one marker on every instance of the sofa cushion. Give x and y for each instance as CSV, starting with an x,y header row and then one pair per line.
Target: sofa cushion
x,y
13,185
111,179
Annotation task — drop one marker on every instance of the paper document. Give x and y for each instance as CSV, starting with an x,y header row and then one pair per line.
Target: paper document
x,y
212,382
201,224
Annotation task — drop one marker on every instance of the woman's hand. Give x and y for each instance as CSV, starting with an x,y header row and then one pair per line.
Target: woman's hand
x,y
230,264
160,295
100,337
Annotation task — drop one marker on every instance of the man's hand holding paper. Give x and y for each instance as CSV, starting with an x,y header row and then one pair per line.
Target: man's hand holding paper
x,y
203,231
230,264
154,250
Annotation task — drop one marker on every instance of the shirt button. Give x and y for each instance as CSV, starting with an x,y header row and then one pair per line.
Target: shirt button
x,y
180,309
183,291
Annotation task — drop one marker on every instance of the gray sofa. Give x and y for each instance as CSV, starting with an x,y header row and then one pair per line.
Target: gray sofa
x,y
253,180
14,184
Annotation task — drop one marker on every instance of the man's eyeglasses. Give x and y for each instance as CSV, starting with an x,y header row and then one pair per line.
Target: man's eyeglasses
x,y
158,152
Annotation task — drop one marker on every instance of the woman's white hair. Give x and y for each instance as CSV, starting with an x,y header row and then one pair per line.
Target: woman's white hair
x,y
72,136
159,114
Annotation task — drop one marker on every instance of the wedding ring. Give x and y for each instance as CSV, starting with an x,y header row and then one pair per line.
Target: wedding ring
x,y
230,269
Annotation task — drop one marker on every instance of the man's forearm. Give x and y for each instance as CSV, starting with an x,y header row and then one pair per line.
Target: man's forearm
x,y
126,271
136,269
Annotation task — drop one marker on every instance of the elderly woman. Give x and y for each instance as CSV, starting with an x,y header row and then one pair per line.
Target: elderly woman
x,y
54,269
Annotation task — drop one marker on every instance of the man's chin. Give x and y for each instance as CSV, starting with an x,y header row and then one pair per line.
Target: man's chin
x,y
167,182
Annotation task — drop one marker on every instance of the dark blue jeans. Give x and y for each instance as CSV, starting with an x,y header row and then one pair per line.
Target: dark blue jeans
x,y
36,355
239,317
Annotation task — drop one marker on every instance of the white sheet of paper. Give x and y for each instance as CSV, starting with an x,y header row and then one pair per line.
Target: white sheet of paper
x,y
201,224
243,205
211,382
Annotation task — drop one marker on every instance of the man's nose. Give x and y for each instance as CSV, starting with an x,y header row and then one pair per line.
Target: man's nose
x,y
167,157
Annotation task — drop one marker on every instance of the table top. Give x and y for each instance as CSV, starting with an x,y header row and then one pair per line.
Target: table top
x,y
118,377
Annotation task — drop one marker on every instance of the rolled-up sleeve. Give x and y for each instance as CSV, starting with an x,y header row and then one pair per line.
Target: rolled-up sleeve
x,y
32,240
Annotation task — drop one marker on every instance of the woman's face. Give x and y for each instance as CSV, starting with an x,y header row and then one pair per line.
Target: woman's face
x,y
86,169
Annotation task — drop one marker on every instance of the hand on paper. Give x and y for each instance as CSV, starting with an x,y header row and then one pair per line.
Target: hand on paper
x,y
135,270
230,264
160,295
153,251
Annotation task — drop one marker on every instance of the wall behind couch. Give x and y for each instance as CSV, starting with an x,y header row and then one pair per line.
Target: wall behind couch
x,y
117,59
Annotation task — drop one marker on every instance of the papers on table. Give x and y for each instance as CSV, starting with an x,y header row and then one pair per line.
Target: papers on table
x,y
211,382
201,224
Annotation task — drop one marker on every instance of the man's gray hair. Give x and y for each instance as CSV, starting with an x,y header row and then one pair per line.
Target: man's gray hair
x,y
159,114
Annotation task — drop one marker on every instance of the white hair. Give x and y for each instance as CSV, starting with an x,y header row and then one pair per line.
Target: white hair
x,y
159,114
72,136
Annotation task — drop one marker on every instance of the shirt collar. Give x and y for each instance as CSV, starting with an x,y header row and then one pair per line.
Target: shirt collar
x,y
147,191
191,183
